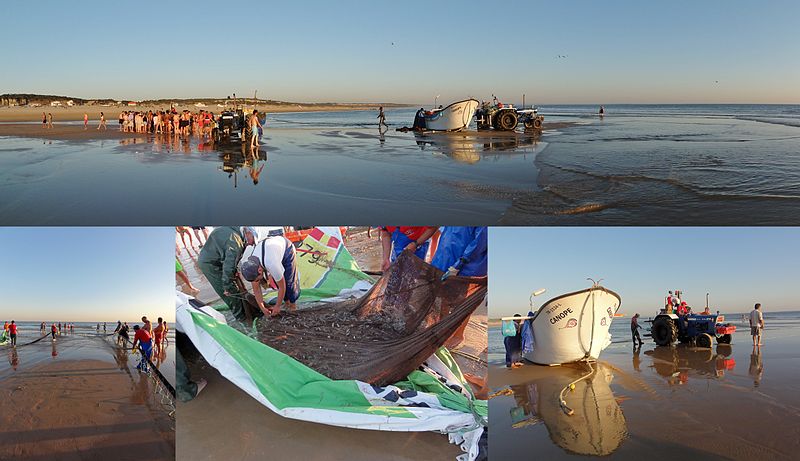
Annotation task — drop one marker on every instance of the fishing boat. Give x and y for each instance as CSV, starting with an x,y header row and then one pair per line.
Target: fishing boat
x,y
454,117
573,327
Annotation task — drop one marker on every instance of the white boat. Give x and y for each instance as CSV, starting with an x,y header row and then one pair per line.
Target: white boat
x,y
454,117
573,327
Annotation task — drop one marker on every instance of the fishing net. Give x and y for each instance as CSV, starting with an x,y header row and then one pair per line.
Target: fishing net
x,y
383,336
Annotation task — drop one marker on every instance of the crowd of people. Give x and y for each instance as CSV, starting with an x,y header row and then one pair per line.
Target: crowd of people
x,y
171,121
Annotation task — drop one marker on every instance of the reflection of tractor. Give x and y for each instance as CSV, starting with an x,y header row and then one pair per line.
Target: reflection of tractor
x,y
505,117
678,364
701,330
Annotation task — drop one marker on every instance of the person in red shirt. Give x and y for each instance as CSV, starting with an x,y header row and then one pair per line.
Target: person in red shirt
x,y
395,239
53,331
142,337
12,329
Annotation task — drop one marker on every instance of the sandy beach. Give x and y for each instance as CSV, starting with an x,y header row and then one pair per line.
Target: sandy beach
x,y
79,398
75,113
729,402
247,430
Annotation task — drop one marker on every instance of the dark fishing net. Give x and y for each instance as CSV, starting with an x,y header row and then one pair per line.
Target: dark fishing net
x,y
386,334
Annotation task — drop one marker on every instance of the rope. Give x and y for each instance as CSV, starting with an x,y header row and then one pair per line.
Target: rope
x,y
562,403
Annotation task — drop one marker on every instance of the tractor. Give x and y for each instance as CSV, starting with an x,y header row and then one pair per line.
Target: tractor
x,y
505,117
700,330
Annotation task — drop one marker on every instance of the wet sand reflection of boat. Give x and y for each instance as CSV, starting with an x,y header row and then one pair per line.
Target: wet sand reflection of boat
x,y
573,327
598,426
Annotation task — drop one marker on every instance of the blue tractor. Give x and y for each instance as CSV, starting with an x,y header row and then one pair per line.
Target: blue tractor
x,y
700,330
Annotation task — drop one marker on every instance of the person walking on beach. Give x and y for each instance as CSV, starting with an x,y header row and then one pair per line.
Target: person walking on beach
x,y
50,120
102,122
381,118
85,121
635,330
44,120
12,331
756,324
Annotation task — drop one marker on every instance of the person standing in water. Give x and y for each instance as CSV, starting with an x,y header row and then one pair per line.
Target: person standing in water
x,y
254,125
381,118
12,331
756,324
44,120
635,330
50,120
53,332
85,121
602,111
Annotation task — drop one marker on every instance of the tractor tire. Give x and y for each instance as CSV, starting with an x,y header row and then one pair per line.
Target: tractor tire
x,y
724,339
537,124
704,340
507,120
664,331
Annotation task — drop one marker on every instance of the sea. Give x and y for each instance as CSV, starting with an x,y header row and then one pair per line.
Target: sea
x,y
637,165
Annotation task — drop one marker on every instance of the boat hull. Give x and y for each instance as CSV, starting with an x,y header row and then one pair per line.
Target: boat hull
x,y
454,117
573,327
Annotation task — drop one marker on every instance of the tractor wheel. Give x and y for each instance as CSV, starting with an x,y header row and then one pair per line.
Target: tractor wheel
x,y
507,120
704,340
664,331
724,339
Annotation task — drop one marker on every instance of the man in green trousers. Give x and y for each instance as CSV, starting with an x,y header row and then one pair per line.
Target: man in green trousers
x,y
218,261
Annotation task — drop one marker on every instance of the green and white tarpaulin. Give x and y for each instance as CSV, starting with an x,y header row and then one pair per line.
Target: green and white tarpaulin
x,y
4,338
436,399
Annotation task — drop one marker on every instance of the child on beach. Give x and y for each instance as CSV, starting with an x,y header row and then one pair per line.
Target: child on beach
x,y
141,337
85,121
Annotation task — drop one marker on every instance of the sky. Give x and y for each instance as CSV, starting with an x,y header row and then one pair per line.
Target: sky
x,y
85,274
617,51
736,266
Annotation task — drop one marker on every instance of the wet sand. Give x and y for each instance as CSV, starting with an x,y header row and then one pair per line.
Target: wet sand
x,y
246,430
223,422
730,402
79,410
66,132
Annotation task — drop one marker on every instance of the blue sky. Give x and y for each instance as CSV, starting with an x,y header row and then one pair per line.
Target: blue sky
x,y
87,274
617,51
737,266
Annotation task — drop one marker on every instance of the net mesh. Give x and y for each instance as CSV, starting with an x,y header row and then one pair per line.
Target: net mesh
x,y
386,334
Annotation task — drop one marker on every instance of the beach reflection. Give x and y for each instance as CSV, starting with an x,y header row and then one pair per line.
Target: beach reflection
x,y
597,426
13,358
237,158
756,369
677,364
